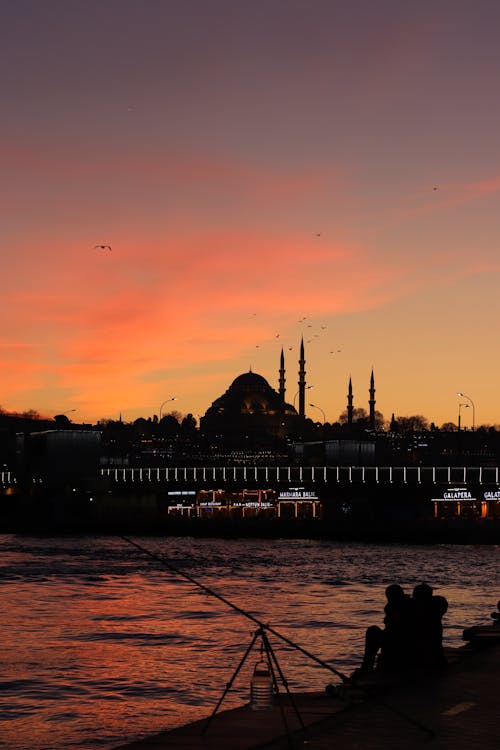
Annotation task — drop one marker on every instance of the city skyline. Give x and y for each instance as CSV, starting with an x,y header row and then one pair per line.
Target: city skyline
x,y
188,187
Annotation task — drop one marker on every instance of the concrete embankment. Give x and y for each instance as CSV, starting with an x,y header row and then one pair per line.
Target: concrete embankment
x,y
455,709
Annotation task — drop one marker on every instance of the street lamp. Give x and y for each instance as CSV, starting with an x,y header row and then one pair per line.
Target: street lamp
x,y
174,398
321,410
306,388
463,395
467,406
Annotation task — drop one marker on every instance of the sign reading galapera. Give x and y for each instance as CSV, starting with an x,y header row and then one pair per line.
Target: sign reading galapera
x,y
492,494
464,495
455,494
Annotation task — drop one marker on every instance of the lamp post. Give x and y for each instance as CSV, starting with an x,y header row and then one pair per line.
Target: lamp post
x,y
463,395
321,410
174,398
467,406
306,388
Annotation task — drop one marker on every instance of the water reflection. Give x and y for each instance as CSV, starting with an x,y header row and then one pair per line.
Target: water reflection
x,y
101,645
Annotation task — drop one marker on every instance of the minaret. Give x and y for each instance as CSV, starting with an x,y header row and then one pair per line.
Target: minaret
x,y
350,407
302,381
282,376
372,402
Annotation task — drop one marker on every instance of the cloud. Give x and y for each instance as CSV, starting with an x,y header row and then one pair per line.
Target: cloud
x,y
168,170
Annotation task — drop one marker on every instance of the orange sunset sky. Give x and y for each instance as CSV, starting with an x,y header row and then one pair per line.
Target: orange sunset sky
x,y
250,163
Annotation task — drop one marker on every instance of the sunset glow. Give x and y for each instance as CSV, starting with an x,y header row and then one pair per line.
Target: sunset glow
x,y
262,172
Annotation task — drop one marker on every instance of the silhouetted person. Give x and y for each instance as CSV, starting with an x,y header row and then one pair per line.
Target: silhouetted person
x,y
389,644
496,615
427,628
397,633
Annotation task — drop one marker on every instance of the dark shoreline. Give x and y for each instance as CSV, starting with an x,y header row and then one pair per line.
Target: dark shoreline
x,y
420,532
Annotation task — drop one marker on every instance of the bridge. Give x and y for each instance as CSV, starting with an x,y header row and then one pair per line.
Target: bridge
x,y
267,476
304,475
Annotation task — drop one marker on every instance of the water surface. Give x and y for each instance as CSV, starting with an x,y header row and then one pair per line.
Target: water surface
x,y
102,645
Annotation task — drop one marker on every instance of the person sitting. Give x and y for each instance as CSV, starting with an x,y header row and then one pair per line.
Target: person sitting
x,y
387,647
496,615
427,628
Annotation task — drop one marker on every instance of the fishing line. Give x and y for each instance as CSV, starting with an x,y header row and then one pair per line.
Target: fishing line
x,y
241,611
343,677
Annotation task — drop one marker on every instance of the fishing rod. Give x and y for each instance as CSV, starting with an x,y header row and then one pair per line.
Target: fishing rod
x,y
249,616
241,611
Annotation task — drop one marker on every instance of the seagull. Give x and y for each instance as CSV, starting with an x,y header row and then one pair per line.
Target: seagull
x,y
103,247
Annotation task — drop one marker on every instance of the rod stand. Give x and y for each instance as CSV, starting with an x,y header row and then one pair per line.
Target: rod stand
x,y
276,672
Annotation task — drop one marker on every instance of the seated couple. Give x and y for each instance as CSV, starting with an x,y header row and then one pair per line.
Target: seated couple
x,y
412,637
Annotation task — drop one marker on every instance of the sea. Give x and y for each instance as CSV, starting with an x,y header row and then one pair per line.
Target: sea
x,y
103,643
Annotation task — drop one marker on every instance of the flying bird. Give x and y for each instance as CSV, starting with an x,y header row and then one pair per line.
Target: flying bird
x,y
103,247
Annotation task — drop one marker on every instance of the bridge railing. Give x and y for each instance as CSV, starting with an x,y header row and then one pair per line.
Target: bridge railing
x,y
297,475
7,478
225,474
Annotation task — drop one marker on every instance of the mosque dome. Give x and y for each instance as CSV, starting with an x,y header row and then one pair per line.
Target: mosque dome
x,y
249,382
250,405
249,393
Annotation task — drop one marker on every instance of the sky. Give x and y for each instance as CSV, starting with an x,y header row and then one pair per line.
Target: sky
x,y
263,170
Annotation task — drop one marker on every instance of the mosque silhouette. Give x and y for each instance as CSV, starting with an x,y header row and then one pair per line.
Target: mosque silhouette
x,y
251,409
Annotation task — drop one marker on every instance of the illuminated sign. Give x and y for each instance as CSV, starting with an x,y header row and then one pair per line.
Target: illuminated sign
x,y
210,504
455,494
181,492
492,494
253,505
297,495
